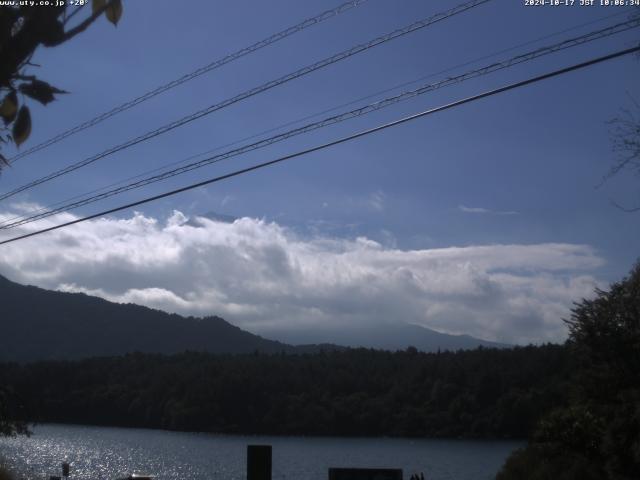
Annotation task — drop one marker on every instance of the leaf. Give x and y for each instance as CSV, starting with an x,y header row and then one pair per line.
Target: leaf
x,y
114,11
50,28
96,5
22,126
9,107
40,91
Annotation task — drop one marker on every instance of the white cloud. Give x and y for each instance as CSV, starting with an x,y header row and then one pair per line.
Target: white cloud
x,y
485,211
260,275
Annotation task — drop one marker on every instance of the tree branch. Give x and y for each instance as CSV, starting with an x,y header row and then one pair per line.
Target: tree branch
x,y
624,209
82,26
72,14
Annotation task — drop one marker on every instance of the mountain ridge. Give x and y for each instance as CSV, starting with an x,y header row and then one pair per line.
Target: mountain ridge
x,y
386,336
40,324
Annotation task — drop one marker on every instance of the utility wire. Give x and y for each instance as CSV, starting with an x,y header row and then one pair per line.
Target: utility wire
x,y
363,133
525,57
309,117
190,76
254,91
314,115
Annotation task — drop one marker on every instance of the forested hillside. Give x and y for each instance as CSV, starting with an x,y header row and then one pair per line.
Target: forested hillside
x,y
40,324
482,393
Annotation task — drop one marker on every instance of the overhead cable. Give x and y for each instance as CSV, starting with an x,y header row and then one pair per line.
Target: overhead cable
x,y
531,55
326,15
385,126
254,91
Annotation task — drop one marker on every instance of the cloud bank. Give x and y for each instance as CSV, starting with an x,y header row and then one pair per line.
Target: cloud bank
x,y
262,276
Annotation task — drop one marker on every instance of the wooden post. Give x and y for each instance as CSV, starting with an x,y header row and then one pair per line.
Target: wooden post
x,y
258,462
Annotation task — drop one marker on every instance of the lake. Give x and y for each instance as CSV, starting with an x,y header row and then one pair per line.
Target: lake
x,y
107,453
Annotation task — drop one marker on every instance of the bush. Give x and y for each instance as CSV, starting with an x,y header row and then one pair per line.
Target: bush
x,y
540,462
598,434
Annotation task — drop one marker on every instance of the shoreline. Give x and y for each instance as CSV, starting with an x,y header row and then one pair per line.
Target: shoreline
x,y
285,436
5,472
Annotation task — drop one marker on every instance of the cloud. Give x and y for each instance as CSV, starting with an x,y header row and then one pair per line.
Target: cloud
x,y
481,210
261,276
377,200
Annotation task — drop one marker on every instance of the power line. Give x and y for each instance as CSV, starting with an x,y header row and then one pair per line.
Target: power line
x,y
496,66
194,74
363,133
314,115
254,91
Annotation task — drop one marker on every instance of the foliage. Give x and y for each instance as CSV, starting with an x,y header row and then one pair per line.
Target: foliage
x,y
5,474
23,29
604,334
625,138
483,393
599,431
541,462
12,414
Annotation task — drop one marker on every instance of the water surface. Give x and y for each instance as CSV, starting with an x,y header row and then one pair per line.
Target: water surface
x,y
107,453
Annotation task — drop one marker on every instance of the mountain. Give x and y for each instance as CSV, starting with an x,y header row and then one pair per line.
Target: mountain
x,y
38,324
390,336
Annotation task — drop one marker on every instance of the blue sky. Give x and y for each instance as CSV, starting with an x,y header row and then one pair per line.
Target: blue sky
x,y
516,169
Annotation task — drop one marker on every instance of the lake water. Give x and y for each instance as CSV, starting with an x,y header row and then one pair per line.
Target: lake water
x,y
106,453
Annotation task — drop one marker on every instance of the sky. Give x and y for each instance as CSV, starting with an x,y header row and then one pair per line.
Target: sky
x,y
488,219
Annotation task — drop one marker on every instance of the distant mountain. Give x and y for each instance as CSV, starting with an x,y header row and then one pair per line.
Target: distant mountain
x,y
391,336
38,324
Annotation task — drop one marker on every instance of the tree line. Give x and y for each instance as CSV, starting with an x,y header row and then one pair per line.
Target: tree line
x,y
483,393
596,434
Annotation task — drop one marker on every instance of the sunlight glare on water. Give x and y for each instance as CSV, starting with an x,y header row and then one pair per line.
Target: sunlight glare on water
x,y
101,453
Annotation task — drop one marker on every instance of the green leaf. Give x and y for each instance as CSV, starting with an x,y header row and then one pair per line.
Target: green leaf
x,y
40,91
114,11
22,126
9,107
